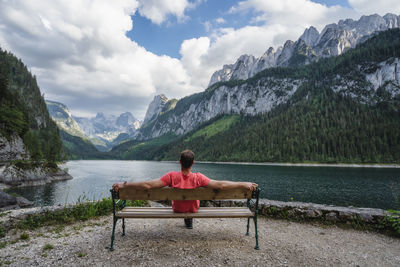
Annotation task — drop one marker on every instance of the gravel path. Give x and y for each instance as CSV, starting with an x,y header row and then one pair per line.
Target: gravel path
x,y
212,242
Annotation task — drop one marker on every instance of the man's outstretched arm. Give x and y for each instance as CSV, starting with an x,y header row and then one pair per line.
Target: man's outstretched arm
x,y
157,183
221,185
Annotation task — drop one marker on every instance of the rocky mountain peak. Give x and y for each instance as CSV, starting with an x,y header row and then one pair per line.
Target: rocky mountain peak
x,y
392,20
100,115
333,40
270,51
310,36
155,107
125,119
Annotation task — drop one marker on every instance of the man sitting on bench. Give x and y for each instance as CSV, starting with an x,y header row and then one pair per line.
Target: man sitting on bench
x,y
185,179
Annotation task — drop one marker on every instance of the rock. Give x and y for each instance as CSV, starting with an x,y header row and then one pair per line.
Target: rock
x,y
12,148
366,217
345,215
24,203
155,107
312,213
7,200
264,96
38,175
331,216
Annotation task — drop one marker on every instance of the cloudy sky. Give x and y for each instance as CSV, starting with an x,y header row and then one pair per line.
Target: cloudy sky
x,y
114,56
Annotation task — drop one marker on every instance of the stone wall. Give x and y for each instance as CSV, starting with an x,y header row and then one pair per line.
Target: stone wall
x,y
311,211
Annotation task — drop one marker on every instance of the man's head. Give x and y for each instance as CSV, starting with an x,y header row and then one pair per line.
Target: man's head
x,y
186,159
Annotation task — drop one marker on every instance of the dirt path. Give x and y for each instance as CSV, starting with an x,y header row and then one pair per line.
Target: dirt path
x,y
212,242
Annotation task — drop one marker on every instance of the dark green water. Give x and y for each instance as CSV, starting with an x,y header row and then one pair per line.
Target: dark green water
x,y
359,187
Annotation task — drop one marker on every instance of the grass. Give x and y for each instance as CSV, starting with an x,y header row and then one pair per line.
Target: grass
x,y
220,125
2,232
82,254
24,236
81,211
47,247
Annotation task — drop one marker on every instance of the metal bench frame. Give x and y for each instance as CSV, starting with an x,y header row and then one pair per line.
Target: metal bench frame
x,y
119,204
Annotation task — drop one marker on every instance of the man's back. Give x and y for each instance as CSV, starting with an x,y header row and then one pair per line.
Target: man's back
x,y
185,181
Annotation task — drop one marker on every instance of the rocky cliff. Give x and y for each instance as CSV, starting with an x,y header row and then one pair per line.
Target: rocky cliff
x,y
368,81
12,148
20,175
333,40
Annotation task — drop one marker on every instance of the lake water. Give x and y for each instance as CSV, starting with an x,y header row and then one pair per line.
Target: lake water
x,y
359,187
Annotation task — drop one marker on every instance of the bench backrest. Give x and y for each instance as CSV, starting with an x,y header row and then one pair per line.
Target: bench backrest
x,y
167,193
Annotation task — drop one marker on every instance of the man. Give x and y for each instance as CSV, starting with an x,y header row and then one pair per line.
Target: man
x,y
185,179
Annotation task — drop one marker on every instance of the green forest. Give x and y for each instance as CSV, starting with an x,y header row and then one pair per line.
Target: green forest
x,y
23,111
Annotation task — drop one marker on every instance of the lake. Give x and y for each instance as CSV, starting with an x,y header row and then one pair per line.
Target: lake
x,y
342,186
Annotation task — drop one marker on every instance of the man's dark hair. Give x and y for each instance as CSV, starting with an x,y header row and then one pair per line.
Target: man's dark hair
x,y
187,158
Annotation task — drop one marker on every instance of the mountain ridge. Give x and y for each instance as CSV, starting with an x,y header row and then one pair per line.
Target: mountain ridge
x,y
333,40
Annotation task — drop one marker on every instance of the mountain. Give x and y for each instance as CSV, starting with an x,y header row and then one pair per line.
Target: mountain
x,y
102,131
334,40
344,108
105,131
76,144
30,143
63,118
26,129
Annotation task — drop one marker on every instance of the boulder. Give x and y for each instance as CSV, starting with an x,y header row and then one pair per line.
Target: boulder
x,y
7,200
33,175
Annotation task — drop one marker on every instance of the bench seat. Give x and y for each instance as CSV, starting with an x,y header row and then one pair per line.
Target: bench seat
x,y
166,212
122,212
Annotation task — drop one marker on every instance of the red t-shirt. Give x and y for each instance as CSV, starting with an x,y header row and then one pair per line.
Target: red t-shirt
x,y
181,181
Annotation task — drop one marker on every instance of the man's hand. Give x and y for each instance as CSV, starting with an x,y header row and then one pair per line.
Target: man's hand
x,y
118,186
250,186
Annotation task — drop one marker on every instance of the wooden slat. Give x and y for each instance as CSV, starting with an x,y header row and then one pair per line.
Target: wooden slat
x,y
166,212
167,193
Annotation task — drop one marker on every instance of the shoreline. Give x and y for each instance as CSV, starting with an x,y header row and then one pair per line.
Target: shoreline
x,y
288,164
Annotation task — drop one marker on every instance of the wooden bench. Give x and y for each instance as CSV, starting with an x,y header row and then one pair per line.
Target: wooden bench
x,y
120,211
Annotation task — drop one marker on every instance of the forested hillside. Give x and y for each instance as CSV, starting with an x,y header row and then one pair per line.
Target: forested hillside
x,y
336,115
23,111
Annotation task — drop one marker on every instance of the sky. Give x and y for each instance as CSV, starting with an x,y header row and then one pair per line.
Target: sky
x,y
115,56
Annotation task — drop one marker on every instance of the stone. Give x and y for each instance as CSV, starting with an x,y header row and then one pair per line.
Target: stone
x,y
345,215
7,200
313,213
24,203
15,176
12,148
331,216
154,108
366,217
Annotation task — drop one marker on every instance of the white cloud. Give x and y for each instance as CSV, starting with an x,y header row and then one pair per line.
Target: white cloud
x,y
277,22
82,57
220,20
158,10
381,7
280,21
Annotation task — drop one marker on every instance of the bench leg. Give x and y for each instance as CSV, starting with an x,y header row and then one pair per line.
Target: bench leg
x,y
248,226
255,226
123,226
113,234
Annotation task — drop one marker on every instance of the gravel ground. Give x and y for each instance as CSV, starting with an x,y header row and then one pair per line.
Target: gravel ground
x,y
212,242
